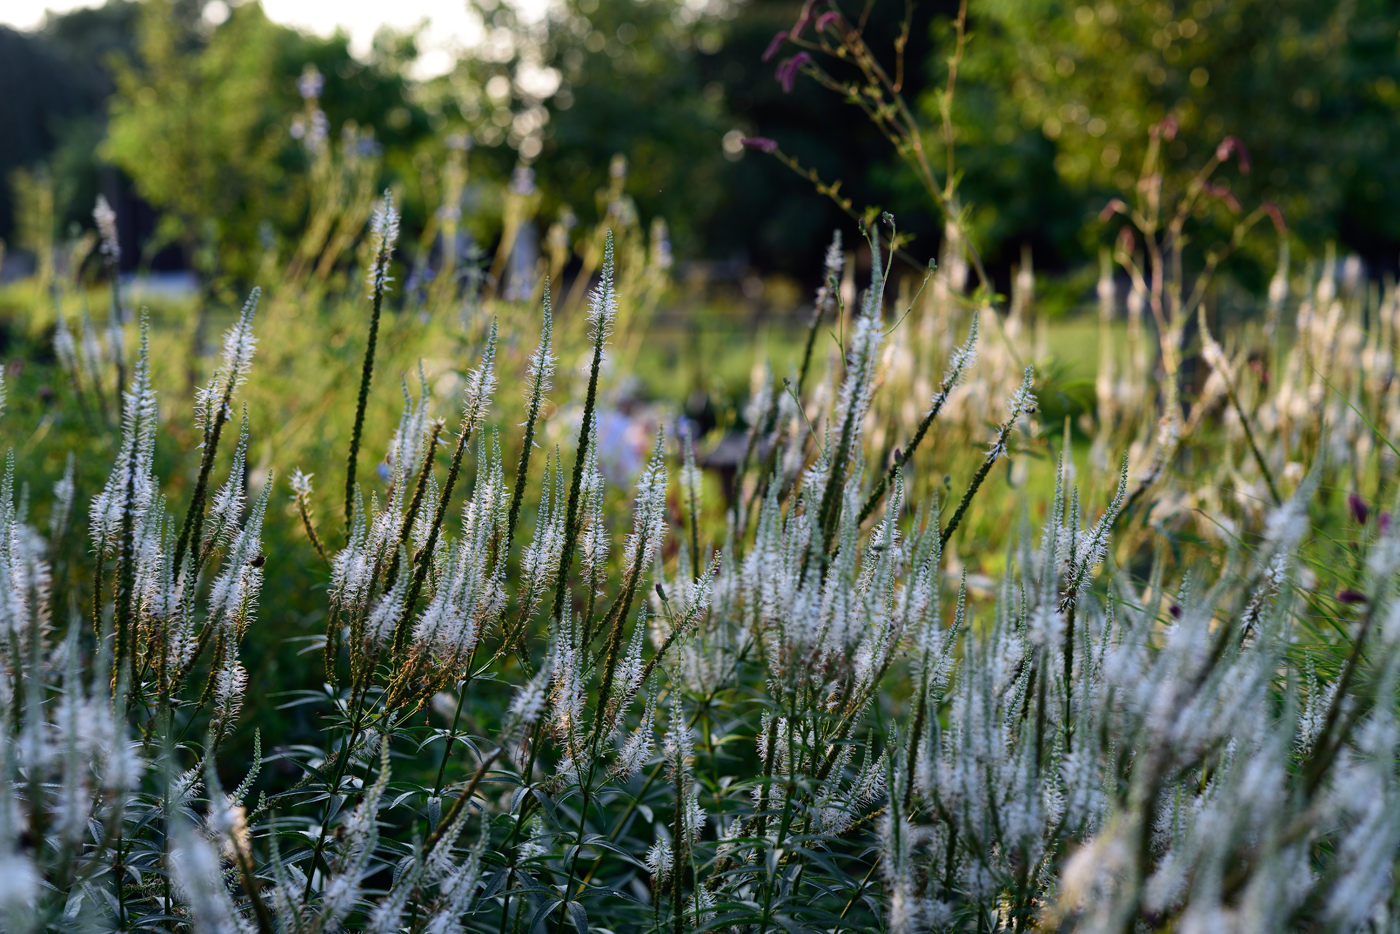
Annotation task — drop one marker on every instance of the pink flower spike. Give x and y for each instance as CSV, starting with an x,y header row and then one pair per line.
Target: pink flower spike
x,y
1359,510
776,44
761,143
1275,215
1232,144
1167,128
1116,206
787,71
802,20
826,19
1225,195
784,74
1127,240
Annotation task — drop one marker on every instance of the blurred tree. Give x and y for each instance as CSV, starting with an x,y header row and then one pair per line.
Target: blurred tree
x,y
592,80
1309,87
190,124
1052,108
780,216
671,86
204,116
86,39
48,97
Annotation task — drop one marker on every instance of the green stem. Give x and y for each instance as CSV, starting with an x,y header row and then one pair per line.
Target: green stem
x,y
902,458
536,394
342,762
571,530
366,375
414,505
456,717
987,462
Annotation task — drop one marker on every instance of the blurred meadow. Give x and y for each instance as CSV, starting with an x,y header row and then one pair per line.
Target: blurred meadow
x,y
1179,221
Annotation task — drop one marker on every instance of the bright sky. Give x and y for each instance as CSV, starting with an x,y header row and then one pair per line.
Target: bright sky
x,y
450,28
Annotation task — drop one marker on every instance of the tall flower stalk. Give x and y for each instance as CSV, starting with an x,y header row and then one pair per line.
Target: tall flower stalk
x,y
384,228
823,723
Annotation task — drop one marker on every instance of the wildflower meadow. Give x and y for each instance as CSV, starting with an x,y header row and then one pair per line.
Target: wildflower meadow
x,y
422,600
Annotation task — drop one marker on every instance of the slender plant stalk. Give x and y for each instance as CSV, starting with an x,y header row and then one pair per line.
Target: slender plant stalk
x,y
950,380
604,300
691,474
833,289
829,513
473,410
125,639
424,472
543,367
386,229
1019,404
190,530
304,511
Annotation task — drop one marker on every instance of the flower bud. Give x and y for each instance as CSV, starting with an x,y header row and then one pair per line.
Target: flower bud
x,y
1359,510
775,45
761,143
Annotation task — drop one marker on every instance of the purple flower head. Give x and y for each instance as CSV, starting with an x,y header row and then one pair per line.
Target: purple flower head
x,y
310,83
1175,610
826,19
787,71
1225,195
523,181
1275,215
775,45
1116,206
761,143
1167,128
319,131
1232,144
1126,240
1351,596
1384,522
1359,510
802,20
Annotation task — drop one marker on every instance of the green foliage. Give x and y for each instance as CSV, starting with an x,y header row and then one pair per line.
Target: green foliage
x,y
591,81
33,195
1162,695
50,93
203,122
1308,88
808,729
191,129
1051,110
